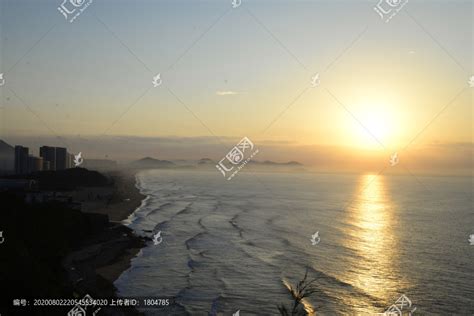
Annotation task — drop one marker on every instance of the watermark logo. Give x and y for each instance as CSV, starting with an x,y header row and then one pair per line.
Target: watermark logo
x,y
2,80
71,9
315,81
2,239
157,239
78,160
237,313
394,159
236,3
471,240
471,82
237,157
387,9
400,307
77,311
157,80
315,239
82,307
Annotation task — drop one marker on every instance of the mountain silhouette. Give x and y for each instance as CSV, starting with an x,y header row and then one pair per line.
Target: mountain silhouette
x,y
149,162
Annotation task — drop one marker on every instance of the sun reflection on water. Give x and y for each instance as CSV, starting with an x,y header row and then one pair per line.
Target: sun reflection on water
x,y
373,216
373,239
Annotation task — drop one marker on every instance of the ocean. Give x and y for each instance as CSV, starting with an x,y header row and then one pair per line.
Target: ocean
x,y
236,245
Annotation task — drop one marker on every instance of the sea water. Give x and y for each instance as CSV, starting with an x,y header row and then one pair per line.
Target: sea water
x,y
237,245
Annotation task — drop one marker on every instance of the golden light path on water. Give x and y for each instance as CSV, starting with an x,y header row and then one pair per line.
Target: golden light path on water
x,y
373,237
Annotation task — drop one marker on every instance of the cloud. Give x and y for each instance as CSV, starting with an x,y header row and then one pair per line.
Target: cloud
x,y
228,92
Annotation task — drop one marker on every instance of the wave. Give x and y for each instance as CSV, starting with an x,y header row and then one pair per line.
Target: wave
x,y
133,216
188,241
232,221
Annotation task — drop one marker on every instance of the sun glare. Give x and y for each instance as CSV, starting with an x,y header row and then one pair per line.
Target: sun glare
x,y
376,124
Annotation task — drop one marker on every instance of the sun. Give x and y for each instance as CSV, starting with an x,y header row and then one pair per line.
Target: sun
x,y
376,125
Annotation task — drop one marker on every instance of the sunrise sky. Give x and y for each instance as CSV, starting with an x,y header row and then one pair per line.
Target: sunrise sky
x,y
229,73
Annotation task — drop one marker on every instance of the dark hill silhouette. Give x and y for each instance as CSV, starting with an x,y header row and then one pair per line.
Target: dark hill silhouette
x,y
269,163
149,162
206,161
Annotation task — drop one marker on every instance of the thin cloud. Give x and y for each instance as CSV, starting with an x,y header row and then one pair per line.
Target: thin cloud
x,y
228,92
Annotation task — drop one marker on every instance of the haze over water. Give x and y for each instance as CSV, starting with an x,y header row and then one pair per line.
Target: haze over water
x,y
232,245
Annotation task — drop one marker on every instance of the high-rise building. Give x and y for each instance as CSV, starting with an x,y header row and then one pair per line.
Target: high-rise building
x,y
61,158
49,154
35,164
58,157
21,160
46,165
70,160
7,158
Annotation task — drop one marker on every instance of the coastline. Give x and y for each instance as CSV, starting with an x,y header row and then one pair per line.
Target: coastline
x,y
124,203
123,198
101,260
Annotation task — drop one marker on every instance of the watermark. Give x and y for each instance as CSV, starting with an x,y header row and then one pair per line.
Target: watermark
x,y
236,3
471,240
315,239
2,80
387,9
471,82
394,159
237,313
157,239
83,306
400,307
20,302
315,81
2,239
237,157
157,80
71,9
77,311
78,160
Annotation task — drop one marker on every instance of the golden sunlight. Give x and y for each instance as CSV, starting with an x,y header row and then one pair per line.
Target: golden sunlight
x,y
378,120
374,236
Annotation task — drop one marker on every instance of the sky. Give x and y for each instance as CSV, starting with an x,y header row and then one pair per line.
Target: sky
x,y
227,73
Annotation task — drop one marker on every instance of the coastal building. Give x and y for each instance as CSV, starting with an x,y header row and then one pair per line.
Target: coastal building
x,y
46,165
70,161
58,158
61,158
49,154
7,158
35,164
21,160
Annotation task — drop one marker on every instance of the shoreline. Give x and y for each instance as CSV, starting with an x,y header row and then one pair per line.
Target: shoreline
x,y
103,258
126,206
